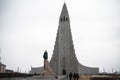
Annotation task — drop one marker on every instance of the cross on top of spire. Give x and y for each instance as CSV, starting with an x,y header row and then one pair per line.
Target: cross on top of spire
x,y
64,1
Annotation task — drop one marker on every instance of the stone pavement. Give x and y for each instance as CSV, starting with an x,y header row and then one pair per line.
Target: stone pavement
x,y
36,78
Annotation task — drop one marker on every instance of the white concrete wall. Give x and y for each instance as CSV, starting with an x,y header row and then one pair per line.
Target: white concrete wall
x,y
83,70
37,70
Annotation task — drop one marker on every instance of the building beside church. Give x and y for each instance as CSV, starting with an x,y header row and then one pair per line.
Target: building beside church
x,y
64,60
2,68
36,70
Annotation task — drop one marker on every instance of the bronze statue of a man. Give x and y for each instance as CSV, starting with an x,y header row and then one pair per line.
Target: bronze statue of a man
x,y
45,56
47,69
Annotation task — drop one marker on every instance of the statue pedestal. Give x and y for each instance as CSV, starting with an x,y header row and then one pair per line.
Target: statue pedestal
x,y
47,69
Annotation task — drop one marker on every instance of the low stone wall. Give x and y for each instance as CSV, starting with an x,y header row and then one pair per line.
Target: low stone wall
x,y
10,75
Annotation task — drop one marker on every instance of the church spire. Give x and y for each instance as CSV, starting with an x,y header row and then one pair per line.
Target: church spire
x,y
64,59
64,14
64,53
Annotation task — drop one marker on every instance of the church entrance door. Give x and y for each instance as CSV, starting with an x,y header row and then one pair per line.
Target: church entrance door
x,y
64,72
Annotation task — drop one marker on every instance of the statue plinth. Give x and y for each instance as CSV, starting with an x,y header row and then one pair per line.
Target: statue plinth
x,y
47,69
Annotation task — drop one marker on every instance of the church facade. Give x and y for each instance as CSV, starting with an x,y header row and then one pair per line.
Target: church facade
x,y
64,60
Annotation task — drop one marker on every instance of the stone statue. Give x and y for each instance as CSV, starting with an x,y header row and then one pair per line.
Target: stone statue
x,y
45,56
47,69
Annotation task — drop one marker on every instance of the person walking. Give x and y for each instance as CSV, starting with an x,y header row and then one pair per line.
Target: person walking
x,y
70,76
74,76
77,76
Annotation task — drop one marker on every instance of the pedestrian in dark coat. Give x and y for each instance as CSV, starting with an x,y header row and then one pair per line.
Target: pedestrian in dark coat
x,y
77,76
70,76
74,76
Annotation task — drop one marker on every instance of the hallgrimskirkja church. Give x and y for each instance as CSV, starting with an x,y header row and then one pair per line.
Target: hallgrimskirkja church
x,y
64,59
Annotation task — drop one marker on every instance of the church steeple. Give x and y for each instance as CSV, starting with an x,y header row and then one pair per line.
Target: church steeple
x,y
64,14
64,59
64,53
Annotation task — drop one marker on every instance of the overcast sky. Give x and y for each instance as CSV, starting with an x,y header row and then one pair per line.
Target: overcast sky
x,y
29,27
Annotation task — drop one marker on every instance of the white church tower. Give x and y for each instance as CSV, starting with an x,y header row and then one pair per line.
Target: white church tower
x,y
64,60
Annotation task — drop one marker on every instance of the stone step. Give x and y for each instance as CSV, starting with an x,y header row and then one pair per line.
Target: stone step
x,y
63,78
59,77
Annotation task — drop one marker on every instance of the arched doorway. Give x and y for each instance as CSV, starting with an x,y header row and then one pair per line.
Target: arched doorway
x,y
64,72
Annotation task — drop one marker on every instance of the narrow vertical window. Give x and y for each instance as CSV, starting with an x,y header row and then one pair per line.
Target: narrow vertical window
x,y
61,19
64,18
